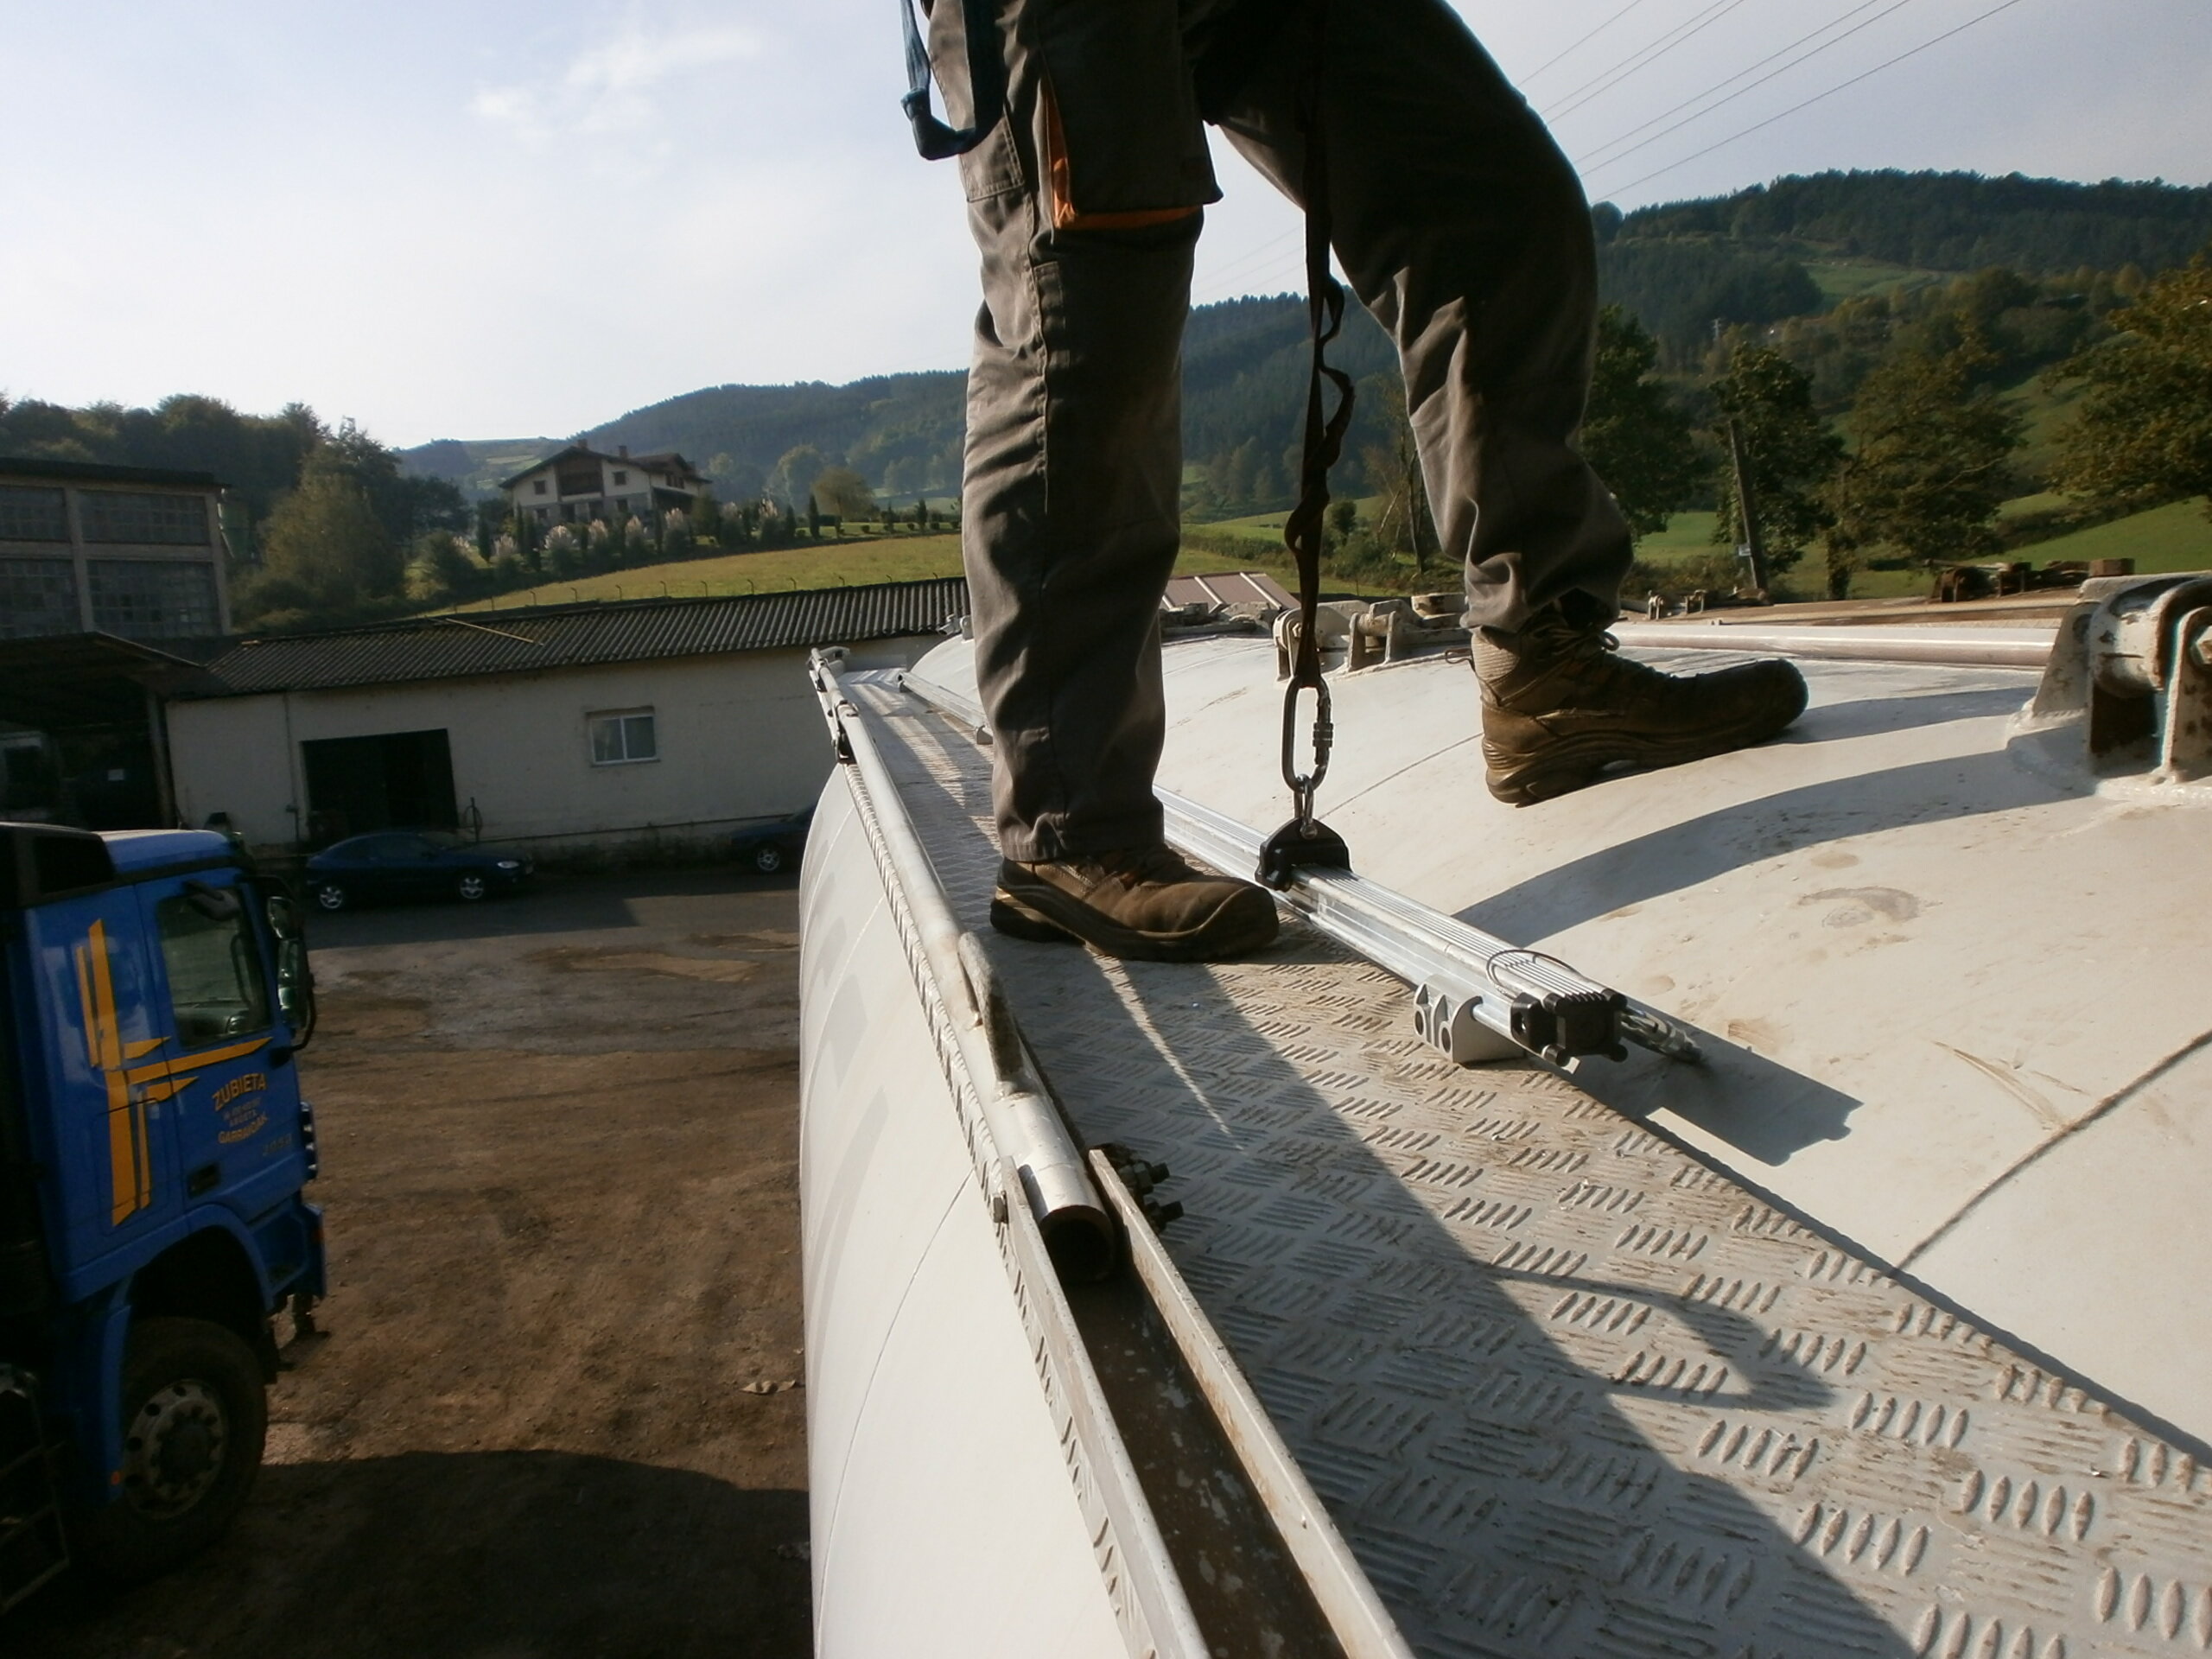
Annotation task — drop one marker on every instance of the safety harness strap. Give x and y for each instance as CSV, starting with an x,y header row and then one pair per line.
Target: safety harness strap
x,y
986,82
1304,842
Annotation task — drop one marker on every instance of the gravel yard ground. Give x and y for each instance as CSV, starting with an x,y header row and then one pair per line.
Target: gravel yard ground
x,y
556,1411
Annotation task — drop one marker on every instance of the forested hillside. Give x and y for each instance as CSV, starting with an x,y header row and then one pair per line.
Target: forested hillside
x,y
1857,326
1952,221
1692,272
1796,246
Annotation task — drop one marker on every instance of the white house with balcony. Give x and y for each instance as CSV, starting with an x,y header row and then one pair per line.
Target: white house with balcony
x,y
579,484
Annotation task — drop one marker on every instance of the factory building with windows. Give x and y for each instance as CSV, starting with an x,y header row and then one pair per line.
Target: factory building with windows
x,y
133,552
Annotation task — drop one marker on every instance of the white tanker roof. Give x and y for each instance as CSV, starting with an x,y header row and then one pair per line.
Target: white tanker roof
x,y
1954,1010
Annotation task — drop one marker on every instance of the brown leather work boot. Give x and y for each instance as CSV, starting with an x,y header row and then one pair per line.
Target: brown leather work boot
x,y
1145,904
1559,705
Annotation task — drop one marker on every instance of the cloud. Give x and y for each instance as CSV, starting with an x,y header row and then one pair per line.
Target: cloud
x,y
612,87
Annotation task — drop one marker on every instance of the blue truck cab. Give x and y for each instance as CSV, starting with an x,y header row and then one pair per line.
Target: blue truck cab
x,y
154,1154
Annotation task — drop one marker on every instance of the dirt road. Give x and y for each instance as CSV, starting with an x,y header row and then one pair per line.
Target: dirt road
x,y
553,1413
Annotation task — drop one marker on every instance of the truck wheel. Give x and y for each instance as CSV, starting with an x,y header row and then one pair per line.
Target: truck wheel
x,y
768,858
329,895
195,1415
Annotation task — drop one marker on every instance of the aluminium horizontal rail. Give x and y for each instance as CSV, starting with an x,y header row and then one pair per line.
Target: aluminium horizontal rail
x,y
1024,1123
1468,983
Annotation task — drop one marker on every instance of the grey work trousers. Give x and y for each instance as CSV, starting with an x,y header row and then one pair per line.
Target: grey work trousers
x,y
1463,230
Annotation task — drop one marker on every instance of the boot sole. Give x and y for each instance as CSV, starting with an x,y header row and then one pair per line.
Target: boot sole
x,y
1569,764
1214,940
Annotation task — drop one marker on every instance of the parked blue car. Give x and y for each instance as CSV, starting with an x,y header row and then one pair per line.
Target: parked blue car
x,y
411,864
768,847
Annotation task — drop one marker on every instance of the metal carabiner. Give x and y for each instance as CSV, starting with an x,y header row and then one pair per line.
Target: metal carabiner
x,y
1304,786
1305,843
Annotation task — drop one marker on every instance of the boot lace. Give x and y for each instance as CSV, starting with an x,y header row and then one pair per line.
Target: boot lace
x,y
1134,866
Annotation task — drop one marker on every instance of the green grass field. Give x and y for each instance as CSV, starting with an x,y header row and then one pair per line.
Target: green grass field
x,y
1847,279
893,558
2176,537
903,558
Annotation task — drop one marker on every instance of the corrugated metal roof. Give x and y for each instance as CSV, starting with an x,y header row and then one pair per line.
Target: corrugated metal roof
x,y
568,636
95,471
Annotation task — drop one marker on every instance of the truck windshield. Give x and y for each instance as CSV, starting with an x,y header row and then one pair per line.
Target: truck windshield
x,y
216,987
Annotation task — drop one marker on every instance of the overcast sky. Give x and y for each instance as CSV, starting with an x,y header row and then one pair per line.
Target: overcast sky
x,y
491,219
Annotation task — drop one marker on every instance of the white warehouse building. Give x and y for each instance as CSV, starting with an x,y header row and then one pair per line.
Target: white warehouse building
x,y
656,725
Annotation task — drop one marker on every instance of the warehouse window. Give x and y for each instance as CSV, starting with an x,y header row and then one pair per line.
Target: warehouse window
x,y
136,517
148,598
622,735
37,596
31,515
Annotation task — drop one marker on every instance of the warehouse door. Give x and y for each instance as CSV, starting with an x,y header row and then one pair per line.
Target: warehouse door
x,y
396,780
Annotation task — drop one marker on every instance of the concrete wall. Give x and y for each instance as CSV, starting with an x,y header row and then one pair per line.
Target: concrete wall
x,y
740,739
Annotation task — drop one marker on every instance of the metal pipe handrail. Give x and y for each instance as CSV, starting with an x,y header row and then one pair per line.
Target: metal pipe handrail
x,y
1342,1590
1955,647
1077,1226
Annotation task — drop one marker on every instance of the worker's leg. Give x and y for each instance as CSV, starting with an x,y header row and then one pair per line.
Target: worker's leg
x,y
1086,207
1463,229
1085,204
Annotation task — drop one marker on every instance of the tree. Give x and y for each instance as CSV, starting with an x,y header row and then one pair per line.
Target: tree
x,y
1789,454
791,482
1402,524
1928,464
843,493
1632,435
443,569
325,549
563,554
2145,425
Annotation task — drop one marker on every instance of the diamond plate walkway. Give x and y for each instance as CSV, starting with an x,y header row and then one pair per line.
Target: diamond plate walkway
x,y
1566,1390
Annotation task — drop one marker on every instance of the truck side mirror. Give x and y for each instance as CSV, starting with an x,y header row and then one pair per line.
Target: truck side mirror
x,y
295,989
295,979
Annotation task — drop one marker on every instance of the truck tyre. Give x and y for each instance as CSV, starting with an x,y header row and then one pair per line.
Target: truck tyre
x,y
194,1416
329,895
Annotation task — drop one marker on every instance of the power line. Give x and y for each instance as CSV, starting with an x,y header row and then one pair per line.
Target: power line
x,y
1281,275
1256,255
1624,63
1650,54
1584,40
1589,159
1915,52
1285,269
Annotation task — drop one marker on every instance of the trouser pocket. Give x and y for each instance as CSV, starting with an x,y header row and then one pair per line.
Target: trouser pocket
x,y
1119,132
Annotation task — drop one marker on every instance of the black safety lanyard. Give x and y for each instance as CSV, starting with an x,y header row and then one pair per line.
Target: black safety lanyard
x,y
1305,843
986,82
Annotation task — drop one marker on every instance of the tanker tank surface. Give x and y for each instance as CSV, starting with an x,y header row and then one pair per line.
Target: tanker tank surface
x,y
1853,1310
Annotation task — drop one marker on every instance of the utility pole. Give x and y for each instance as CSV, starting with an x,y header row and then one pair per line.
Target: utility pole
x,y
1747,510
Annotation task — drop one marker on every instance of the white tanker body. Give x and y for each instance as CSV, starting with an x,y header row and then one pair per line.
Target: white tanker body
x,y
1875,1329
